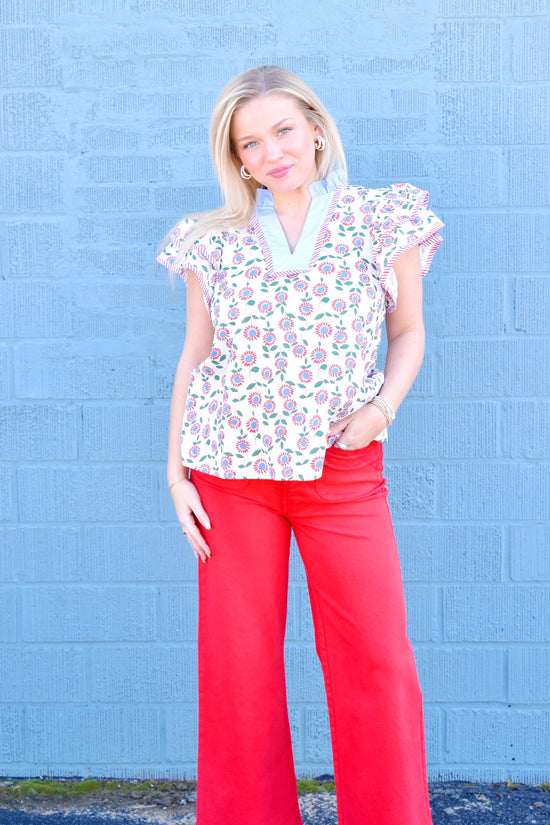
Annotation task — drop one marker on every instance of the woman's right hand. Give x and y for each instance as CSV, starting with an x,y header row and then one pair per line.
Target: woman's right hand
x,y
189,509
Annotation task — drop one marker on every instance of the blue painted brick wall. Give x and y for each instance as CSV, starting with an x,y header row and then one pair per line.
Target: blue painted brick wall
x,y
103,115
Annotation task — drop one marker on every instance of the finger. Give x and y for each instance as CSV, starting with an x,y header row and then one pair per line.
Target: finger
x,y
198,544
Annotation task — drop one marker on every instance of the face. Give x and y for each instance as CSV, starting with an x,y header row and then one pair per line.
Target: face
x,y
275,141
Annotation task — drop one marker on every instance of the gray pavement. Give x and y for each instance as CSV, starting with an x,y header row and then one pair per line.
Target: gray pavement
x,y
453,803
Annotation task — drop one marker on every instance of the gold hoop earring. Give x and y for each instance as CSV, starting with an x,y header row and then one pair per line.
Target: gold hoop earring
x,y
244,173
320,143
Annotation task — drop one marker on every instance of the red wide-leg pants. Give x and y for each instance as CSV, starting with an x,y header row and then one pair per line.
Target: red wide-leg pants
x,y
344,534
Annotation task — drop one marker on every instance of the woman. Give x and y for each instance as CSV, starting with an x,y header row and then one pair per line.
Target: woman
x,y
283,413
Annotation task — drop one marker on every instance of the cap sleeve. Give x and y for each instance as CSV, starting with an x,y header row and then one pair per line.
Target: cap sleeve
x,y
197,257
399,219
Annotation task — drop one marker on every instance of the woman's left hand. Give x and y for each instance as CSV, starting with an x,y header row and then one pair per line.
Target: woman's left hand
x,y
360,427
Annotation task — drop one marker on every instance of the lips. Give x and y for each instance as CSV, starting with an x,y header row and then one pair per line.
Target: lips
x,y
280,172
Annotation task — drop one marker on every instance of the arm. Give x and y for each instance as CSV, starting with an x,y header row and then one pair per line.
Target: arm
x,y
197,347
405,331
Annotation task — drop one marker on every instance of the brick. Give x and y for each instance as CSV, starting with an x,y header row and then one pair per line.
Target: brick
x,y
502,736
305,678
530,56
83,734
33,310
467,51
81,613
8,499
299,620
529,557
529,176
462,674
12,739
128,169
519,243
423,620
99,74
89,493
43,675
124,230
28,123
386,131
387,165
450,552
31,184
5,372
433,733
461,307
317,744
150,296
107,138
532,305
151,674
38,432
219,39
495,490
35,249
180,136
495,114
190,199
50,11
97,553
496,613
296,568
102,426
178,607
38,374
444,430
195,8
515,367
487,8
525,432
412,490
181,733
8,615
465,178
28,58
113,198
410,102
96,262
528,675
175,72
108,326
387,66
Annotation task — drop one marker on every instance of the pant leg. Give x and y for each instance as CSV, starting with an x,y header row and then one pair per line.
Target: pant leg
x,y
345,536
245,766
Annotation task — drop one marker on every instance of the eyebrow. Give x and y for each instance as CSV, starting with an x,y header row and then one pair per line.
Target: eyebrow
x,y
275,125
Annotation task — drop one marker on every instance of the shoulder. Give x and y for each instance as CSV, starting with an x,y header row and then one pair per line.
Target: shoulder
x,y
392,197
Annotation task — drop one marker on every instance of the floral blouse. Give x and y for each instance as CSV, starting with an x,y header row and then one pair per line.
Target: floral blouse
x,y
296,335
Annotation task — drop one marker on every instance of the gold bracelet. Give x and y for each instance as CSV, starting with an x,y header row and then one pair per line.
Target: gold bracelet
x,y
177,481
384,408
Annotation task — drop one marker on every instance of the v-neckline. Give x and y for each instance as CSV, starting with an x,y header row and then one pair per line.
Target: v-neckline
x,y
271,271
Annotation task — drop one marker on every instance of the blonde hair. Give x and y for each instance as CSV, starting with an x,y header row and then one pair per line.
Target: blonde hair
x,y
239,194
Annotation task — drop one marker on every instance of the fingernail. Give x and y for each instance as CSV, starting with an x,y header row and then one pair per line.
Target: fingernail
x,y
207,525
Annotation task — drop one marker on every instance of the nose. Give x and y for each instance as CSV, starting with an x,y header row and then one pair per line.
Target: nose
x,y
273,150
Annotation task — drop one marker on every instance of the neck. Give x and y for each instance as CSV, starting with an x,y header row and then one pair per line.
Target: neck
x,y
295,202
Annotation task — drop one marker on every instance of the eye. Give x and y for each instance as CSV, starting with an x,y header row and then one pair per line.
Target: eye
x,y
250,144
285,129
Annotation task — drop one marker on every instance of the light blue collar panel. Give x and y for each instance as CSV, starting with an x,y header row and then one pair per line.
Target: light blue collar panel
x,y
321,192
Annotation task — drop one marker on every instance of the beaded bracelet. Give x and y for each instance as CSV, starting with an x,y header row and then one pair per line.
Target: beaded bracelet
x,y
384,408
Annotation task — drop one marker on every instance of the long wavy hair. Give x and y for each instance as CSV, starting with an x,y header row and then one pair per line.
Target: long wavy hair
x,y
239,194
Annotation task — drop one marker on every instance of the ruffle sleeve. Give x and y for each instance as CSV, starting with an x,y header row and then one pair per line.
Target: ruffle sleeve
x,y
197,257
398,219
